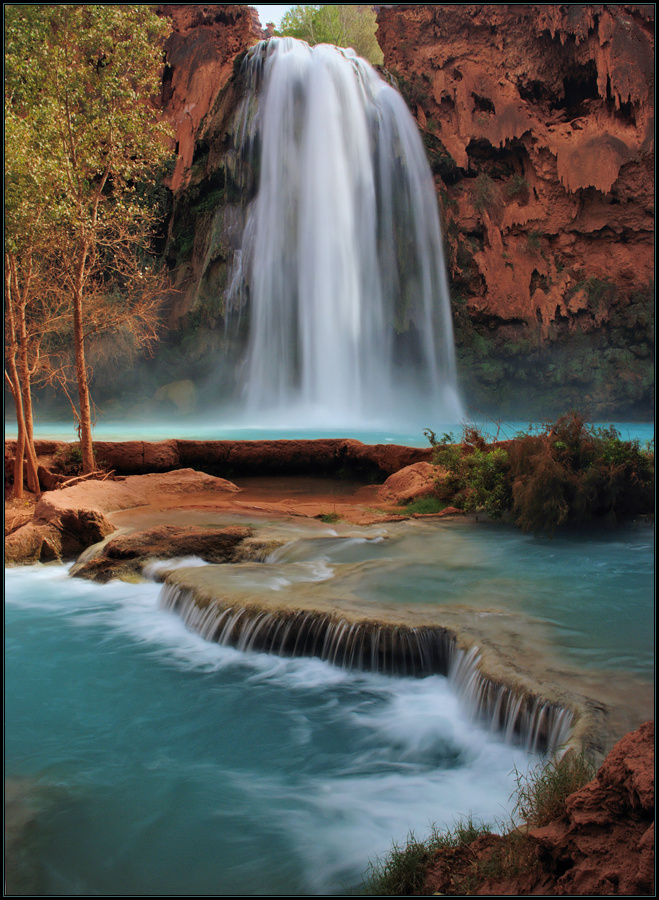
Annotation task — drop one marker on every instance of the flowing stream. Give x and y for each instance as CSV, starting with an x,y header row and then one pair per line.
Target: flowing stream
x,y
147,760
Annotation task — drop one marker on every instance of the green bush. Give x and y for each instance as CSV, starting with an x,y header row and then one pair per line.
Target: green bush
x,y
476,478
568,472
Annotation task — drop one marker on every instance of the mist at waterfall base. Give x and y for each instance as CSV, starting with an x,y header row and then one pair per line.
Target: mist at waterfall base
x,y
155,762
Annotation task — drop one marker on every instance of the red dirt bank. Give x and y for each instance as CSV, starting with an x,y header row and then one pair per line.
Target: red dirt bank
x,y
603,845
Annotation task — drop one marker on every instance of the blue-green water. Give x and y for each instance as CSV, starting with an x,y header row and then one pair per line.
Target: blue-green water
x,y
162,764
159,763
214,427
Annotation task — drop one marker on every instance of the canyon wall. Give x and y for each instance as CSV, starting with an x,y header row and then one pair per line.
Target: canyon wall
x,y
538,124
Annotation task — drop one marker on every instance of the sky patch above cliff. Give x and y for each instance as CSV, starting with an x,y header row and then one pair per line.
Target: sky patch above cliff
x,y
272,12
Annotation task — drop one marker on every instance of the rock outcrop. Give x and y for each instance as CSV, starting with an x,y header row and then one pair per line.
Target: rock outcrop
x,y
539,125
68,521
410,483
200,53
603,844
126,555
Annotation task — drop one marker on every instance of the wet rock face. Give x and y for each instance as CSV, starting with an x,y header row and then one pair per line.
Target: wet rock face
x,y
538,122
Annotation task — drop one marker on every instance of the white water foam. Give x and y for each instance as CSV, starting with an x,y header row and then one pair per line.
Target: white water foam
x,y
342,251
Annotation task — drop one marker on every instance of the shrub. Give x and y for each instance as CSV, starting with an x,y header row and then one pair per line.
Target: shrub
x,y
518,186
68,460
476,478
574,472
533,239
569,472
486,194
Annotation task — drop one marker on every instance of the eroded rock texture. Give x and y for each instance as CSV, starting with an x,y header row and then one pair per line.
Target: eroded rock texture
x,y
604,844
200,53
538,121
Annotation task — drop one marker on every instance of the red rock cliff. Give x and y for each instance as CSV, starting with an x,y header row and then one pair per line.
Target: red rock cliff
x,y
200,53
539,124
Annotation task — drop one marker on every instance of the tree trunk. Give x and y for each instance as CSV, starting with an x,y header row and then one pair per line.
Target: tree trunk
x,y
19,376
85,425
12,375
25,384
12,378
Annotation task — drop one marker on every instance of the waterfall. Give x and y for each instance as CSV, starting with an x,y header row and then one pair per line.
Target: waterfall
x,y
341,266
390,649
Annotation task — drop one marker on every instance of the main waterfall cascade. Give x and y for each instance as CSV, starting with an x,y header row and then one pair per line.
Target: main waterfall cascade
x,y
341,263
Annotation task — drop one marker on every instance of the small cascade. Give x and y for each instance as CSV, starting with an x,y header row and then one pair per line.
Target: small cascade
x,y
526,717
388,649
341,265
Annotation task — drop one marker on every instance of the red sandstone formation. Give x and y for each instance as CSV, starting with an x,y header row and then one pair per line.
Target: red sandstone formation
x,y
603,845
411,483
564,94
67,521
229,458
125,556
201,50
539,123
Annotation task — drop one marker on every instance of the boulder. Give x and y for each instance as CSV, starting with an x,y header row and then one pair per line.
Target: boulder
x,y
67,521
410,483
126,555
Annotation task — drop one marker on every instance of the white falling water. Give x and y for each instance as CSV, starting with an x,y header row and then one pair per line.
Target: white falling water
x,y
341,265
